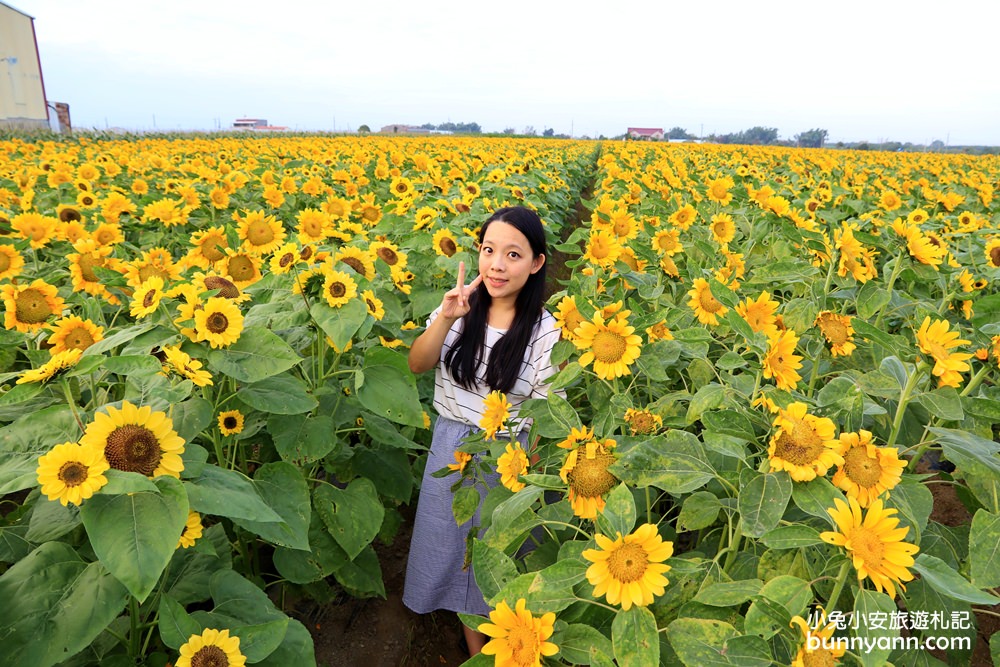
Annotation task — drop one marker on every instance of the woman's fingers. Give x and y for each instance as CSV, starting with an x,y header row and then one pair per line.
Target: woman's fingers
x,y
461,284
474,284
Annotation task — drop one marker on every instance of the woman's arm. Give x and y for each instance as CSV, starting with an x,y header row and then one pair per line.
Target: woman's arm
x,y
426,349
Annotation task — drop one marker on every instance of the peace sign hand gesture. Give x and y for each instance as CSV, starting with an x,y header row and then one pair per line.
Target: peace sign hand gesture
x,y
456,301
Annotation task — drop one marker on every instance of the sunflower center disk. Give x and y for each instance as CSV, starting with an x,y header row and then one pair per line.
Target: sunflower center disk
x,y
217,323
609,347
448,247
31,307
79,339
590,477
801,447
862,469
834,331
226,288
211,248
147,300
241,268
133,448
210,656
73,473
708,302
149,271
523,644
337,290
229,423
4,262
87,263
388,256
868,546
355,264
260,233
628,563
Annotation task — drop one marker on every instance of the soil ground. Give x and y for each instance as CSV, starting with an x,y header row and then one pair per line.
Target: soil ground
x,y
384,633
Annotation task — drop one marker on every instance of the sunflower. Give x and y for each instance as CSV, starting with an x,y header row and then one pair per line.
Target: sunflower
x,y
496,412
723,229
889,200
629,570
937,340
243,268
136,439
284,259
760,314
512,464
219,322
838,332
192,531
874,544
705,306
35,227
718,190
212,648
108,234
231,422
623,225
993,253
669,266
374,304
72,232
401,187
461,460
370,213
60,362
182,364
781,362
568,317
643,422
585,470
803,444
388,253
603,248
11,262
338,287
517,638
27,307
89,256
826,653
360,260
72,332
71,473
667,241
576,437
684,217
146,299
220,285
209,247
868,471
219,198
445,243
153,263
612,346
260,233
314,225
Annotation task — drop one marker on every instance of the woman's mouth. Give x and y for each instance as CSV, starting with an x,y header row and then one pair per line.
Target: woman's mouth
x,y
495,282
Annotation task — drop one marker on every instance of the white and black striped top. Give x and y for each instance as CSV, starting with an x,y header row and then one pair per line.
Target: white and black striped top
x,y
454,401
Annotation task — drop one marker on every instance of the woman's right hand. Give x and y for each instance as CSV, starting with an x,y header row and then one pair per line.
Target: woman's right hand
x,y
456,301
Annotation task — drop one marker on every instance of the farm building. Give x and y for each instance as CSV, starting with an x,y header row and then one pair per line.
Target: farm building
x,y
22,91
648,133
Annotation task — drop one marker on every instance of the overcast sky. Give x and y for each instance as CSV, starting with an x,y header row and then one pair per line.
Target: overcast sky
x,y
861,69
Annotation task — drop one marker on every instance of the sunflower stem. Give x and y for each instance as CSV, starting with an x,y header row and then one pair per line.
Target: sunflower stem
x,y
734,547
649,507
829,280
839,586
976,380
896,268
904,398
134,634
72,403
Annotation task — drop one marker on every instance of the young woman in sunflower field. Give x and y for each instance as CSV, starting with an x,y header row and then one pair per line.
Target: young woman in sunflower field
x,y
492,335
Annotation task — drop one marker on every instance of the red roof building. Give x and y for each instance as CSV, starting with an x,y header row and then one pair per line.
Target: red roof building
x,y
648,133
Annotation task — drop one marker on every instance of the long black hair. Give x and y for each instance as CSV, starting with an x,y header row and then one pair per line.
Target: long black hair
x,y
508,354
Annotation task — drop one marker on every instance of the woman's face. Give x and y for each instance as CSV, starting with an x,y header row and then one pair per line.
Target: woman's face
x,y
505,260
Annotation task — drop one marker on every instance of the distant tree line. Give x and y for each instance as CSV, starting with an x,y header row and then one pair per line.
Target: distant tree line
x,y
464,128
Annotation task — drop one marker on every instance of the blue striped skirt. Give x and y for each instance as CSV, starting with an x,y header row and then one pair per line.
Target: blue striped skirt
x,y
435,578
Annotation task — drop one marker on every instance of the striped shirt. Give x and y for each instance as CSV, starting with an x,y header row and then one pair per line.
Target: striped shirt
x,y
454,401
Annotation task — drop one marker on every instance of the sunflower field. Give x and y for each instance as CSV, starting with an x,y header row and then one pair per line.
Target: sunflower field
x,y
774,363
